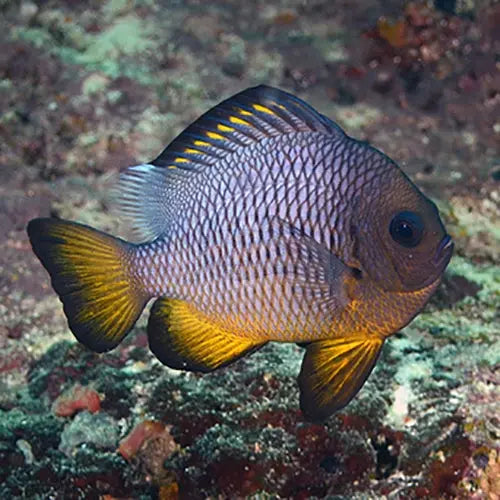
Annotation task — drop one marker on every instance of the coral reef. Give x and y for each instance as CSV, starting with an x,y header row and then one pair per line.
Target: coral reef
x,y
87,88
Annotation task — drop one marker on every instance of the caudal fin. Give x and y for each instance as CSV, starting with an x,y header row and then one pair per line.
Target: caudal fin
x,y
90,271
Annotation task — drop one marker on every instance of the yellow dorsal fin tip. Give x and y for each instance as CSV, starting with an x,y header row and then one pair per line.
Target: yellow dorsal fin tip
x,y
238,121
262,109
225,128
244,112
214,135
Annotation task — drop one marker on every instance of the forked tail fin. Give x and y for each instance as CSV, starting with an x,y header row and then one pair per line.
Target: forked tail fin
x,y
91,272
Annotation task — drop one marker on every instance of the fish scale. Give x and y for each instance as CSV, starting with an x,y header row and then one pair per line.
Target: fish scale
x,y
201,225
262,221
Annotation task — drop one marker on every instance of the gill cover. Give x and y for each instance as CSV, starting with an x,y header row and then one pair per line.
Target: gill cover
x,y
398,232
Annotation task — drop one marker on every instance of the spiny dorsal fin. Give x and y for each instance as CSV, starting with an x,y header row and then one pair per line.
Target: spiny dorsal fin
x,y
149,194
144,196
246,117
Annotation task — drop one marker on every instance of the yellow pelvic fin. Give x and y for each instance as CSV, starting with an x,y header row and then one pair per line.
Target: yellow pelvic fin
x,y
180,337
333,372
101,299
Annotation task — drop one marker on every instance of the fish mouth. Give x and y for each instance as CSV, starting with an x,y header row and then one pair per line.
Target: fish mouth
x,y
443,252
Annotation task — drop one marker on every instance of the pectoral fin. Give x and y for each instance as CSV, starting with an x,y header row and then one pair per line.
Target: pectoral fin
x,y
333,372
182,338
314,271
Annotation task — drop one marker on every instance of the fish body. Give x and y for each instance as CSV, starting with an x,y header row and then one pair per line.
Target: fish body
x,y
263,221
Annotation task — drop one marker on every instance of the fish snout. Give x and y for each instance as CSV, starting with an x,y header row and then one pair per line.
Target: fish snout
x,y
443,252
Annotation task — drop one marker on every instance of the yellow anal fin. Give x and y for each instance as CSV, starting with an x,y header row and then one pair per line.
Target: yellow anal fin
x,y
181,338
333,372
89,272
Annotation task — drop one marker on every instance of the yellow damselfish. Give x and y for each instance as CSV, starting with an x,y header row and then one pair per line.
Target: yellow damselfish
x,y
262,221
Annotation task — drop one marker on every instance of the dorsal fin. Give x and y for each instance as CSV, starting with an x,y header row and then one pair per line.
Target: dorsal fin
x,y
144,197
146,193
246,117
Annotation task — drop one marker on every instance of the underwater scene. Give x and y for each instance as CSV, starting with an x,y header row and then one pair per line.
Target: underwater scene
x,y
250,249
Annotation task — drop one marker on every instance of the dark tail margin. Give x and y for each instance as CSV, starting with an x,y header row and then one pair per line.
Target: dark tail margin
x,y
91,272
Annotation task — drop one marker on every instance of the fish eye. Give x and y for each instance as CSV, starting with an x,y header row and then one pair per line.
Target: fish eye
x,y
406,229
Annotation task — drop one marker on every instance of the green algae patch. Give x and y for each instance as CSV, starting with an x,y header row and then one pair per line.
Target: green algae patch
x,y
38,37
41,431
98,430
442,347
468,331
94,84
114,52
332,48
487,276
128,35
224,441
475,222
358,116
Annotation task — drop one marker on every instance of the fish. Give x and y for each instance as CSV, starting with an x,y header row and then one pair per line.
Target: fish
x,y
262,221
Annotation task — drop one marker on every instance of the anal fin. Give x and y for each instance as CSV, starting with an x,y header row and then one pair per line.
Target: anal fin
x,y
181,338
332,373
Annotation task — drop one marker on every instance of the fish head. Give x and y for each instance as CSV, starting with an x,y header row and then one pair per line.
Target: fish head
x,y
401,244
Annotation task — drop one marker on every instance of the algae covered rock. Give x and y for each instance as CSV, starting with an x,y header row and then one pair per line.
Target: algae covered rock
x,y
85,92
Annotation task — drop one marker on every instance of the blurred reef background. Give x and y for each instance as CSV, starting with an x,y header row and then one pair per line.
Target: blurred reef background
x,y
87,88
